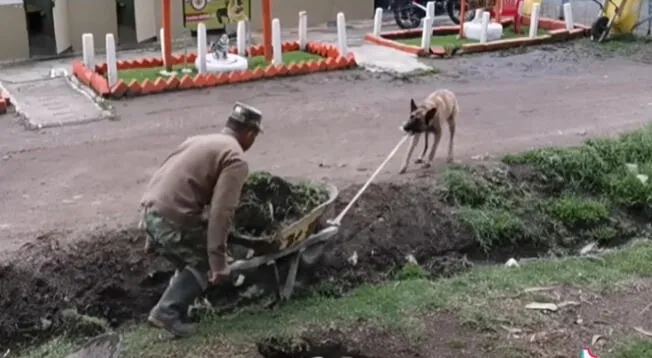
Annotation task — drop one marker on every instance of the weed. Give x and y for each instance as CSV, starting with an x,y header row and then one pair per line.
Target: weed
x,y
627,190
462,188
576,169
575,211
495,227
604,235
411,271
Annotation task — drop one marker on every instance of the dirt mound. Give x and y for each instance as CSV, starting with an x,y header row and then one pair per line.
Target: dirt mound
x,y
390,222
48,287
108,275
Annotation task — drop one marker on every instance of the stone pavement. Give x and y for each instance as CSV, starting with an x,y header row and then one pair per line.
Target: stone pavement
x,y
56,101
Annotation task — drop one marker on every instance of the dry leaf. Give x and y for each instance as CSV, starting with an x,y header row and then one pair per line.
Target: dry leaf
x,y
542,306
538,289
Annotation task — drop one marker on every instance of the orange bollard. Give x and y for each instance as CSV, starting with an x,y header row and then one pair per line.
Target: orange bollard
x,y
267,29
462,16
167,36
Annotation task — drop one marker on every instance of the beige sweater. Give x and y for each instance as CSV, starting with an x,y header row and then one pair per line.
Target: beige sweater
x,y
203,170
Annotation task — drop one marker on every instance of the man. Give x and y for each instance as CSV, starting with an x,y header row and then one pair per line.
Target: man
x,y
204,170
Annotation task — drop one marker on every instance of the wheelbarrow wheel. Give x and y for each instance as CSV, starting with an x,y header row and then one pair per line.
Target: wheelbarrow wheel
x,y
599,27
312,254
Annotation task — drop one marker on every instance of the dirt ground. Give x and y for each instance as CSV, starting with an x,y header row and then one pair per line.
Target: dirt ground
x,y
587,318
81,185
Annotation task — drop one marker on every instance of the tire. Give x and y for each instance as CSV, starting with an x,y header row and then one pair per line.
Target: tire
x,y
406,15
452,8
598,27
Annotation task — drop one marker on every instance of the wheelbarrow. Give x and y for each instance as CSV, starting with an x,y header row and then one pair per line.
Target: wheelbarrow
x,y
297,246
300,244
617,17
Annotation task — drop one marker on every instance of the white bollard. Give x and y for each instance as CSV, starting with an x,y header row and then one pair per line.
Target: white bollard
x,y
201,47
241,38
486,16
111,61
88,51
378,21
277,47
303,30
430,9
426,36
161,36
568,16
342,41
534,20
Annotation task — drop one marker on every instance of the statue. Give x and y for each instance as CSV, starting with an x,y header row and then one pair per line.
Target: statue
x,y
220,47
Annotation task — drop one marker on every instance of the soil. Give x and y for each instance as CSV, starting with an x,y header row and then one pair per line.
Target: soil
x,y
109,276
58,184
392,222
105,275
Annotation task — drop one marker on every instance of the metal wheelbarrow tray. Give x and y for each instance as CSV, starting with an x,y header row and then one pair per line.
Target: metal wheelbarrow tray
x,y
302,242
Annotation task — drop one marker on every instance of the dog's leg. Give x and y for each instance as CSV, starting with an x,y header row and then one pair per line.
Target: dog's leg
x,y
413,143
451,128
425,148
433,149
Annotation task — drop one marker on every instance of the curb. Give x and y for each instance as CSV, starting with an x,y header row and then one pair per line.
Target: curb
x,y
556,28
95,79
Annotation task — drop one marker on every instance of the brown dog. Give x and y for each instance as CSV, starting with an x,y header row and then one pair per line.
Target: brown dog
x,y
441,106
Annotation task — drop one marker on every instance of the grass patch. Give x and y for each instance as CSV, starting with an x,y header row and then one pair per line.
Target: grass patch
x,y
613,167
598,191
452,40
575,211
391,305
636,349
141,74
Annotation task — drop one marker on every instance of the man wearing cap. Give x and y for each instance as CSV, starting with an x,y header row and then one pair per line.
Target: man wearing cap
x,y
204,170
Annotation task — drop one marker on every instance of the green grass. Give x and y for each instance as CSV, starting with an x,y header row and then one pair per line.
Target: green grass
x,y
392,305
591,192
153,73
636,349
598,167
453,41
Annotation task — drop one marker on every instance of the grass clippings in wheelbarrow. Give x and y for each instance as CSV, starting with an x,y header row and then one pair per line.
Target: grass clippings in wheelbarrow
x,y
269,202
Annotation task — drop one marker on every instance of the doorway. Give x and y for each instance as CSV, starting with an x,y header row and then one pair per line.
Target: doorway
x,y
40,28
126,12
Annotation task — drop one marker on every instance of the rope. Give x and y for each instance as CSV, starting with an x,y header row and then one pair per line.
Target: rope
x,y
339,217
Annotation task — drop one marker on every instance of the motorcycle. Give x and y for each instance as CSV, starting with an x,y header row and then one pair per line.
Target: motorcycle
x,y
408,13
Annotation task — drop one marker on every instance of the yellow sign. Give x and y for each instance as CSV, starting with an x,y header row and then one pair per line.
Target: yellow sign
x,y
215,14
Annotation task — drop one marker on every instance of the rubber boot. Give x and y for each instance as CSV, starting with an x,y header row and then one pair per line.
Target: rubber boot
x,y
171,309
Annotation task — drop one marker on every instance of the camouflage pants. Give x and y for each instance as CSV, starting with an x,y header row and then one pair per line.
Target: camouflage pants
x,y
185,247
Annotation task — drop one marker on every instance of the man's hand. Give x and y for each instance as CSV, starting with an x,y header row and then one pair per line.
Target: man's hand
x,y
218,277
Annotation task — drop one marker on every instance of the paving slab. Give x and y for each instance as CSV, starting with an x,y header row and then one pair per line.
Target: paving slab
x,y
52,102
385,59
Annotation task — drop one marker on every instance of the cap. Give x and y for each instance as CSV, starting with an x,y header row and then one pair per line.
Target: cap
x,y
247,115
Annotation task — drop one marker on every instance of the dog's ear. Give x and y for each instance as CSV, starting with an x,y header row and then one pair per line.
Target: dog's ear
x,y
431,114
413,106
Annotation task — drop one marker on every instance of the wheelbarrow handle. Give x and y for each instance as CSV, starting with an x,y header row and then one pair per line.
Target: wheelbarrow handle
x,y
313,239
